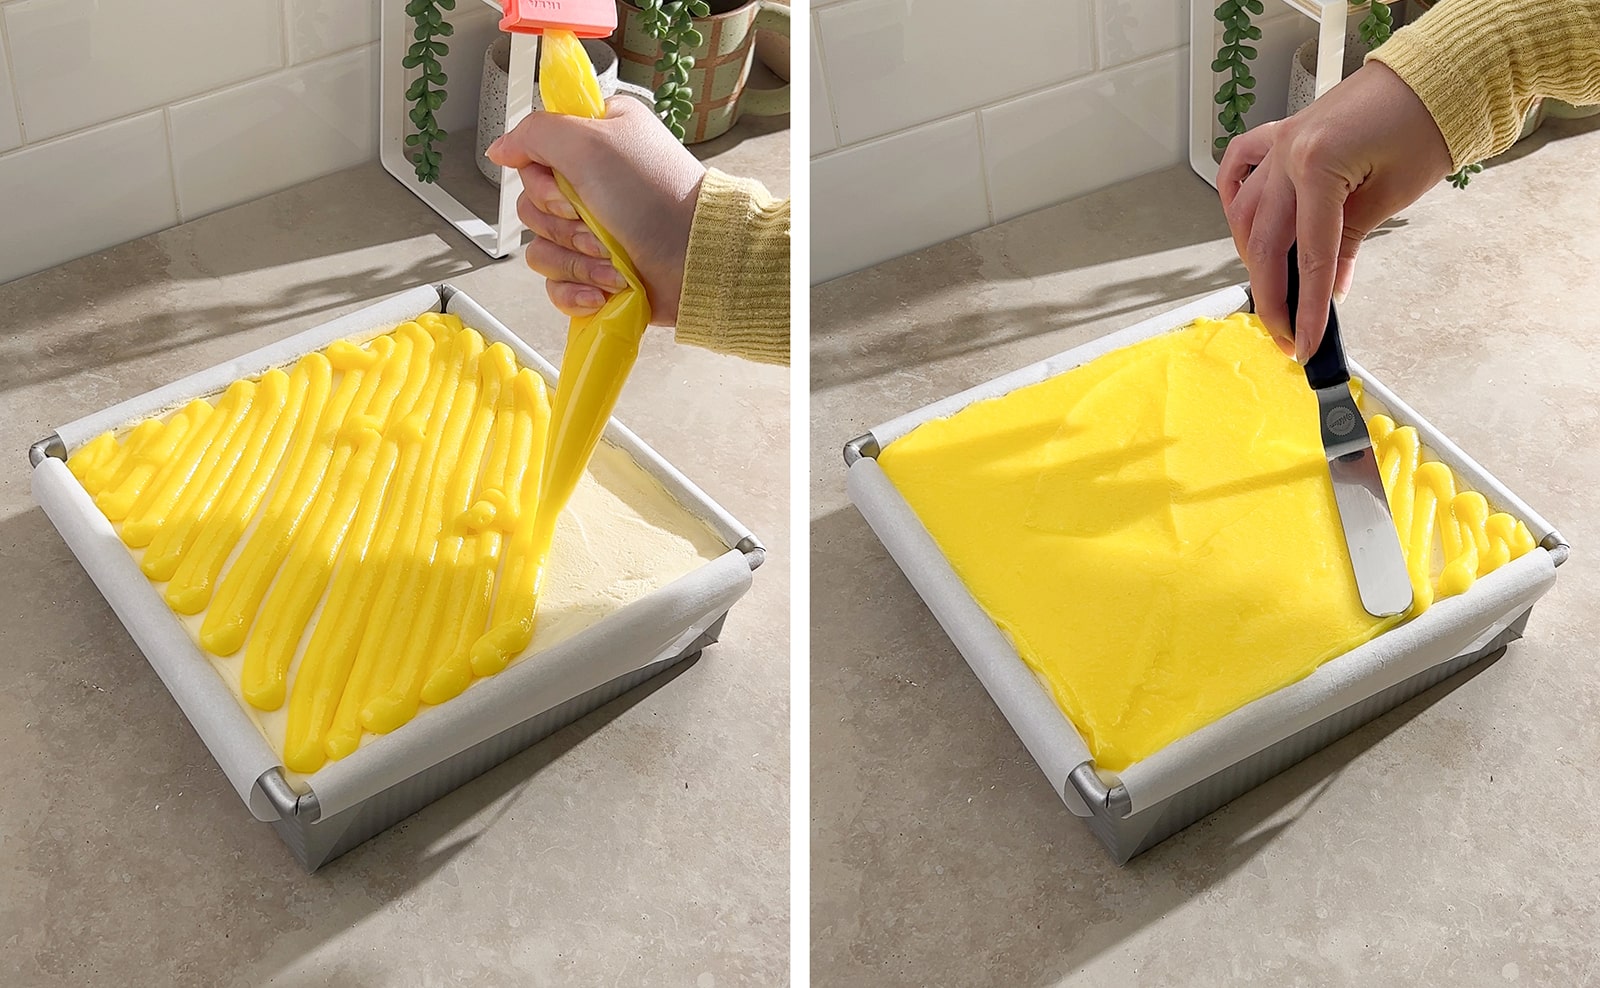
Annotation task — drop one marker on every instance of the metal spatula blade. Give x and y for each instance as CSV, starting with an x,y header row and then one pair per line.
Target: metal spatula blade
x,y
1375,553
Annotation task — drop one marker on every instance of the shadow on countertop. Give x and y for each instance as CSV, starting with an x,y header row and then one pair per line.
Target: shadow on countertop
x,y
189,283
1004,294
926,806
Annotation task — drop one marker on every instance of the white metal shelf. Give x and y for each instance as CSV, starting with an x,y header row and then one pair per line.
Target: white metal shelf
x,y
499,235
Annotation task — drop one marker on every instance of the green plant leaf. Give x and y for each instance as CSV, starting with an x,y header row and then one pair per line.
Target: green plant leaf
x,y
417,88
1247,51
693,38
435,100
411,61
421,33
447,4
446,29
439,47
1255,6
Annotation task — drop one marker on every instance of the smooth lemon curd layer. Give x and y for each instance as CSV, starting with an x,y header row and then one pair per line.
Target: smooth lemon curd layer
x,y
339,535
1156,533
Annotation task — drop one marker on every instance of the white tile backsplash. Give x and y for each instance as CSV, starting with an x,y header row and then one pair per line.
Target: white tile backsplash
x,y
64,198
81,62
892,64
1072,96
895,195
10,129
1133,29
219,101
1068,141
322,27
257,138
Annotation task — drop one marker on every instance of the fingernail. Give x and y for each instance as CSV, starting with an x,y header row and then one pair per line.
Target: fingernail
x,y
494,146
611,277
588,298
561,208
591,245
1339,295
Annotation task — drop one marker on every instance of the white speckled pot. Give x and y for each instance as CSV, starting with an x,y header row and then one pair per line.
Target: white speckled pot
x,y
1303,67
492,92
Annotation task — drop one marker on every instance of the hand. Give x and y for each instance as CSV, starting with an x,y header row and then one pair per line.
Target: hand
x,y
637,181
1326,177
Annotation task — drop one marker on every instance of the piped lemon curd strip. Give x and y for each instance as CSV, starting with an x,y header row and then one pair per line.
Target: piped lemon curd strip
x,y
517,602
1425,500
238,597
152,507
116,469
441,447
1093,519
490,517
82,463
117,501
444,596
179,530
331,653
396,531
294,597
190,588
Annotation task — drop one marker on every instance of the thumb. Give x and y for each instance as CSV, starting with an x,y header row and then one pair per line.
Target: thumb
x,y
547,139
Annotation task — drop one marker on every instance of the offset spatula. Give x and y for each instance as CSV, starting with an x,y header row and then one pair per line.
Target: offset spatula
x,y
1380,565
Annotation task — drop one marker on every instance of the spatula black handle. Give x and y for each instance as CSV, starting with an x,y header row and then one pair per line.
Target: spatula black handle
x,y
1327,366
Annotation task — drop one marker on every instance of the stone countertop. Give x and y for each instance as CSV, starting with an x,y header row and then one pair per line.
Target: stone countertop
x,y
645,844
1451,841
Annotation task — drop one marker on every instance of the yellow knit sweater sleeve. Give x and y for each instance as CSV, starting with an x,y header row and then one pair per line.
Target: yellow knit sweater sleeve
x,y
736,276
1478,66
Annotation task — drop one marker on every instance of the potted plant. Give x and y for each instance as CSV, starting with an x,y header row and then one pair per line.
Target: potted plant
x,y
695,55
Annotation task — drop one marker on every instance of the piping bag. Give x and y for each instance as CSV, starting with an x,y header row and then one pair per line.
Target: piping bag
x,y
601,348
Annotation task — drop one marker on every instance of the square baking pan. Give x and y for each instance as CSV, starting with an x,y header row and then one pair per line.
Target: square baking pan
x,y
1137,808
325,814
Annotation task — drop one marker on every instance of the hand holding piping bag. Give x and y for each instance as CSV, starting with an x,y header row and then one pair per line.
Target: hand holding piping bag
x,y
601,349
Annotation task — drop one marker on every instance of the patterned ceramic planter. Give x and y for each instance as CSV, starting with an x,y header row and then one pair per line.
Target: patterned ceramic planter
x,y
721,64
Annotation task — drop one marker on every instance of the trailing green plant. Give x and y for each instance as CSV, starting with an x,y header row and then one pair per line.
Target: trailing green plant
x,y
1234,94
426,92
1378,25
1461,178
672,23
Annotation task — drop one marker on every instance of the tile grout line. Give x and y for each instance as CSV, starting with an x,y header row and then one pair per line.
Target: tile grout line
x,y
11,78
283,33
983,167
822,62
172,162
958,114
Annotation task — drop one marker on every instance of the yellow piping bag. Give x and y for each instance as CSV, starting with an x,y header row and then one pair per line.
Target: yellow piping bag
x,y
601,349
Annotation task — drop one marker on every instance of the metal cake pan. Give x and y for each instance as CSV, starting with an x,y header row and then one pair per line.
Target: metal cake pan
x,y
1132,811
385,781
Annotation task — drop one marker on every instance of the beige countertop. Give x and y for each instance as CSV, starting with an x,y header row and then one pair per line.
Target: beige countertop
x,y
1451,842
646,844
